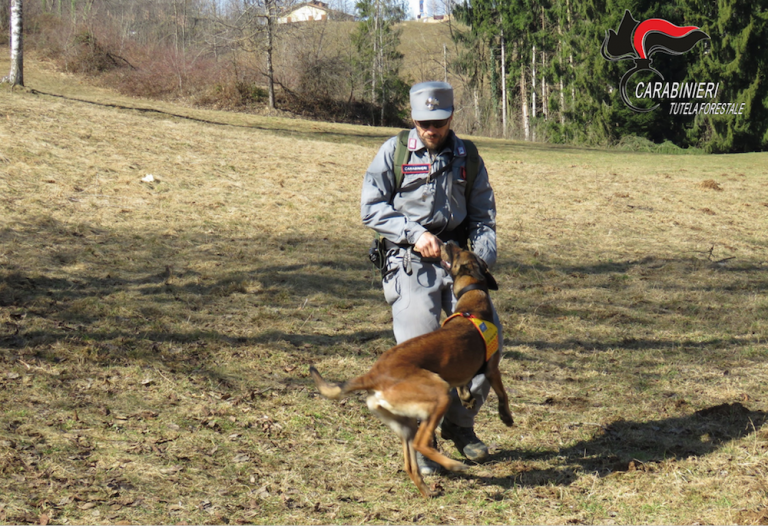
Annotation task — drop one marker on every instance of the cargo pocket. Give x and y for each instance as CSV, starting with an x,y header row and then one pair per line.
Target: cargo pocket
x,y
397,289
391,282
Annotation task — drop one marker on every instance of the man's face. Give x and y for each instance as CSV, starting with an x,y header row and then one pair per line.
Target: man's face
x,y
434,133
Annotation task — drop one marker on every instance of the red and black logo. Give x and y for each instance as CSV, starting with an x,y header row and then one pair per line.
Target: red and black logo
x,y
639,40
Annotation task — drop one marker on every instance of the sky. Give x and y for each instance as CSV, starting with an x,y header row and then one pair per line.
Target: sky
x,y
431,7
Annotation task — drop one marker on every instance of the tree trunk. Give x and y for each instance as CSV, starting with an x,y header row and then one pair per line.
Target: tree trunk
x,y
533,90
178,61
16,77
270,48
533,81
445,63
524,105
562,102
381,77
544,87
570,57
374,68
562,73
503,87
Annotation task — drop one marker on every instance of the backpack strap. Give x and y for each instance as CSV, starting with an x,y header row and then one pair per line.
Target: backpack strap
x,y
402,155
473,166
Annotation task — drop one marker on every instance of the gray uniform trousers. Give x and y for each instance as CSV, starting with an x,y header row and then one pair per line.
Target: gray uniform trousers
x,y
417,299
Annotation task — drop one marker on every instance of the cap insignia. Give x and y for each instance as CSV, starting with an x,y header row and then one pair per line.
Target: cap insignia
x,y
432,103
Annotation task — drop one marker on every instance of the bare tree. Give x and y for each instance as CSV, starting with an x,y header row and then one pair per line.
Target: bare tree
x,y
252,26
16,77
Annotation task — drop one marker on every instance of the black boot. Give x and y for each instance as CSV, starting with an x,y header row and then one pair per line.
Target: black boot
x,y
465,440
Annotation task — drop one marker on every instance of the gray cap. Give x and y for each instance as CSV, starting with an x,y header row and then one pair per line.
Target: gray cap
x,y
431,101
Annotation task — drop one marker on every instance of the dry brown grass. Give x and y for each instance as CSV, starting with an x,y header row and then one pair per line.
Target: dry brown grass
x,y
155,337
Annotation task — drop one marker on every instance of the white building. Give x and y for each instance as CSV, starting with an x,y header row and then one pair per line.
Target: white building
x,y
312,11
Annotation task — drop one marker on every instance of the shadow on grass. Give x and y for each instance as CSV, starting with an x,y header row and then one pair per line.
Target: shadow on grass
x,y
68,283
629,344
120,294
649,263
626,446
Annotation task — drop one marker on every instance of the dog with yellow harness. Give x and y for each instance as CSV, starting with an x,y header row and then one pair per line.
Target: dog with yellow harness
x,y
408,387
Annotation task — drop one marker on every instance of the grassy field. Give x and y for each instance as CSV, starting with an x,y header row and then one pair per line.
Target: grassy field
x,y
155,336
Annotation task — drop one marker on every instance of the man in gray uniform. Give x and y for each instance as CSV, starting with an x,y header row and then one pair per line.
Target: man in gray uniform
x,y
431,207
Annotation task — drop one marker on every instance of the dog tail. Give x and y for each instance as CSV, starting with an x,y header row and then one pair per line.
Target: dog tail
x,y
328,390
336,391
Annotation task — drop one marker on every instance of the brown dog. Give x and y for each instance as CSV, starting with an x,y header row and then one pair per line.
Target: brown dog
x,y
411,381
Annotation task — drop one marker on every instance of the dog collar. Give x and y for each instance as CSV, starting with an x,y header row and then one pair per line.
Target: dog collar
x,y
487,330
473,286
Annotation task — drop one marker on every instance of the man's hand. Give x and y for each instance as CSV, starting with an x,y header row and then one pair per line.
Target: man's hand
x,y
428,245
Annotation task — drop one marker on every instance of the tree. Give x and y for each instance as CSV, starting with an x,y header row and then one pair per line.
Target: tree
x,y
506,26
4,17
16,77
483,19
253,26
470,64
378,62
737,60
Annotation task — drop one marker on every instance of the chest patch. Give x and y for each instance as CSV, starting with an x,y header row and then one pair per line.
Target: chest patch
x,y
415,169
487,330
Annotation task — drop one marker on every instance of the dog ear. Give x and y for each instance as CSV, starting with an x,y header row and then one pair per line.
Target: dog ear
x,y
489,279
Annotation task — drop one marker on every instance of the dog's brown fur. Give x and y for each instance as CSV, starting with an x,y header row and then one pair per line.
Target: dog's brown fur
x,y
411,381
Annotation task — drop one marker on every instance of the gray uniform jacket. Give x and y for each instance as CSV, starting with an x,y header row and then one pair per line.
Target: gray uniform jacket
x,y
438,206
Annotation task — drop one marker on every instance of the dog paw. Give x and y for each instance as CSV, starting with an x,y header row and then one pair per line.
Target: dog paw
x,y
507,419
436,489
458,466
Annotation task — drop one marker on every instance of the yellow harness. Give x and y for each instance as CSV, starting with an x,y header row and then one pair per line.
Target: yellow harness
x,y
487,330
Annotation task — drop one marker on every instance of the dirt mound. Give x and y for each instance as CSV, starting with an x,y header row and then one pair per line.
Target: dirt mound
x,y
709,184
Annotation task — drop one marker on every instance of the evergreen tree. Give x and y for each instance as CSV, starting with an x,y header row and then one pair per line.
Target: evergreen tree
x,y
477,58
568,92
471,63
378,61
735,56
738,60
506,25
